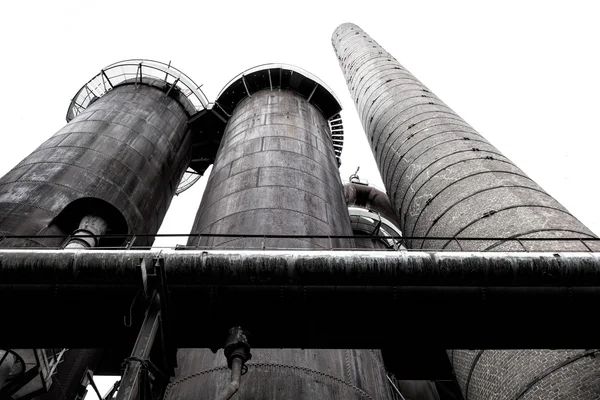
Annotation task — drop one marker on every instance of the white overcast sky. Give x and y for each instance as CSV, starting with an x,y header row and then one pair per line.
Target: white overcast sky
x,y
525,74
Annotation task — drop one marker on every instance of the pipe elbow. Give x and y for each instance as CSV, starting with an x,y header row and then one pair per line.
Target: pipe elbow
x,y
229,391
234,384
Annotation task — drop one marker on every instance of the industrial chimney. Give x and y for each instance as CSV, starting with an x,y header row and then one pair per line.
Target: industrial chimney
x,y
445,180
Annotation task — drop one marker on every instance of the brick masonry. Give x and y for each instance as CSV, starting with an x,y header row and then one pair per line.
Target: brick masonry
x,y
445,180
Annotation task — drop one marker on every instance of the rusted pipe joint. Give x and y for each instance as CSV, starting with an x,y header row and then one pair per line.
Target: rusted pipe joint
x,y
236,346
85,238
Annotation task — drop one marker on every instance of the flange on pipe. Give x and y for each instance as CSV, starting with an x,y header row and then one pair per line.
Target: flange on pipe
x,y
237,351
236,346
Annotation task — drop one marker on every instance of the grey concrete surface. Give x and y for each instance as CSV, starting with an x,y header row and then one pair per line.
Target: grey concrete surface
x,y
128,148
276,173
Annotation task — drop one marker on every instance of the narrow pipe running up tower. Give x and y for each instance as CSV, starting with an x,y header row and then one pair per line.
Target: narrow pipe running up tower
x,y
276,173
113,168
446,180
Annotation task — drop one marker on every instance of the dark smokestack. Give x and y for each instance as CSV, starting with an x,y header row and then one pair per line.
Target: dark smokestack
x,y
444,179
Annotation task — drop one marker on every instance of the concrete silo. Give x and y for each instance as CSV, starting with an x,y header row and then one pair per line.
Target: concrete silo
x,y
276,173
120,157
113,169
446,180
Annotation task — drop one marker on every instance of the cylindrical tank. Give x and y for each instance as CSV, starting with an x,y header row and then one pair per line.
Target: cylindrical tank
x,y
113,168
276,173
125,151
446,180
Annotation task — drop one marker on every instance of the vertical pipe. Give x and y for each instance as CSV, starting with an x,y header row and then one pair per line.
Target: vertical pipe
x,y
446,180
90,227
276,173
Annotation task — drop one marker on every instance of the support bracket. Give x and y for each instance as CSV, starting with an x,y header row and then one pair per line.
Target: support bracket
x,y
141,378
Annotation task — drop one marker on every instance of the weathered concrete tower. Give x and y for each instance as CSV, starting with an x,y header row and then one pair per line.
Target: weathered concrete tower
x,y
276,173
445,180
113,169
120,158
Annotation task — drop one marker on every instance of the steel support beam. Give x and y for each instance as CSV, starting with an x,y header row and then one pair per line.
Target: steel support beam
x,y
134,382
306,299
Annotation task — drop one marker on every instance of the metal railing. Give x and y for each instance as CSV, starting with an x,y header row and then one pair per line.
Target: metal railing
x,y
135,69
321,242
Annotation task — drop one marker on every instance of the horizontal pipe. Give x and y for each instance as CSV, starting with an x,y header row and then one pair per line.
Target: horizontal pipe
x,y
304,299
288,268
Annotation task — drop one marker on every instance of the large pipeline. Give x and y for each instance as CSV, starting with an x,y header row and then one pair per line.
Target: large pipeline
x,y
445,179
529,292
43,268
